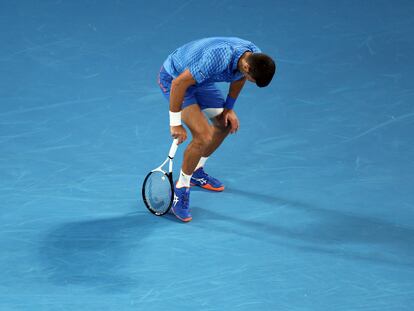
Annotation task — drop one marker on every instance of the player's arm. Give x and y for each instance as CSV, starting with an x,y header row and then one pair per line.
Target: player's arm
x,y
236,87
178,88
229,116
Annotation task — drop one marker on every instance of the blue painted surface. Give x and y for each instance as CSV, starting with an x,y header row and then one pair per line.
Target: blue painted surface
x,y
318,211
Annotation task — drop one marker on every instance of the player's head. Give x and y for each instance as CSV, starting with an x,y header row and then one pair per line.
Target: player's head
x,y
261,69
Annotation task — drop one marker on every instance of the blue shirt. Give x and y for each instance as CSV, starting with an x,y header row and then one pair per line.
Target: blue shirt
x,y
210,59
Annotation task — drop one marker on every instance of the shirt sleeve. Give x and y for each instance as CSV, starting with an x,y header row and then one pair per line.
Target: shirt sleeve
x,y
212,62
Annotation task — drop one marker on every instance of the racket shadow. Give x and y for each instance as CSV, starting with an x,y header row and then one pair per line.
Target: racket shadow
x,y
92,253
330,232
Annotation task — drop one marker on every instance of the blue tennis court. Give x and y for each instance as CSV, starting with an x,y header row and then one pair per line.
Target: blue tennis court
x,y
318,211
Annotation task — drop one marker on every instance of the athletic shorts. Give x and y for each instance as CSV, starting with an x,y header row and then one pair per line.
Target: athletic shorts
x,y
206,95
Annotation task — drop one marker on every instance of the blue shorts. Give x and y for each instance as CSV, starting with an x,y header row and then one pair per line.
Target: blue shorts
x,y
206,95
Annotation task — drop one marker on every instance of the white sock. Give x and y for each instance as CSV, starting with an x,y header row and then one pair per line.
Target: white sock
x,y
202,162
184,180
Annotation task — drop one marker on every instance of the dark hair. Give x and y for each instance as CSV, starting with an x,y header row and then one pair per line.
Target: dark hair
x,y
262,68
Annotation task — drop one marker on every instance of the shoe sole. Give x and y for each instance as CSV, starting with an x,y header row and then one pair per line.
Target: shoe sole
x,y
208,187
180,218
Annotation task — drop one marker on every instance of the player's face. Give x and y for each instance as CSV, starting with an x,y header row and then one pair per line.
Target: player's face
x,y
248,77
246,69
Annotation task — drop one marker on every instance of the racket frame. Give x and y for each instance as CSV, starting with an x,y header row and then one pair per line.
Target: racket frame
x,y
169,175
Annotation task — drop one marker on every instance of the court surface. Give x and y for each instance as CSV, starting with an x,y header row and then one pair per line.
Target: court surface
x,y
318,211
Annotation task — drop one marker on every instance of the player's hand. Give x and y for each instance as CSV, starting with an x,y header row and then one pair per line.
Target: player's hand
x,y
178,132
230,120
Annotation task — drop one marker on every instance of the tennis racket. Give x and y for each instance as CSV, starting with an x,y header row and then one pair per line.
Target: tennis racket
x,y
158,187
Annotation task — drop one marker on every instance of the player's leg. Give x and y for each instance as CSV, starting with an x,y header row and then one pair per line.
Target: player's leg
x,y
202,134
197,123
211,101
220,132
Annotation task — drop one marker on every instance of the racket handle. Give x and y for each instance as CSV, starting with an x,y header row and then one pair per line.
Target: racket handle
x,y
173,149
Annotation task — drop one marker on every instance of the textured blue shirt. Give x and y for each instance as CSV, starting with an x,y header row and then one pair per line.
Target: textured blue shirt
x,y
210,59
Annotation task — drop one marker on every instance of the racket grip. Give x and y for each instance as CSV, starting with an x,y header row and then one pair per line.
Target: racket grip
x,y
173,149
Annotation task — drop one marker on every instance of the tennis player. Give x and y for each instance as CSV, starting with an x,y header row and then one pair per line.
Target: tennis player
x,y
187,80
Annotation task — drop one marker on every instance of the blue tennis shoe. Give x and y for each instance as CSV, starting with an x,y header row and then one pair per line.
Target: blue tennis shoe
x,y
205,181
181,204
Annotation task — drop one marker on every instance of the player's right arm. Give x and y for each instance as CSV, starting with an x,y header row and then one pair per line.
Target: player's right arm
x,y
178,88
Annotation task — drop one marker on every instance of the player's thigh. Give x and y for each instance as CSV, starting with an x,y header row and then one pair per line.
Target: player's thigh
x,y
198,124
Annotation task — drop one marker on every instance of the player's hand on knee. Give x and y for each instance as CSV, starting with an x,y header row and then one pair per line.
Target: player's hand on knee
x,y
178,132
231,120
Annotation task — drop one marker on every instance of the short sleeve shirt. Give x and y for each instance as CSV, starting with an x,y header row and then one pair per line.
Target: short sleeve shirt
x,y
210,59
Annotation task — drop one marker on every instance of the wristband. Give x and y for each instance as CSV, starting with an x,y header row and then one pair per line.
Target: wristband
x,y
229,104
175,118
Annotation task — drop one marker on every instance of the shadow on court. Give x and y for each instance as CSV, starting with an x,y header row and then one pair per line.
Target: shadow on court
x,y
328,231
93,253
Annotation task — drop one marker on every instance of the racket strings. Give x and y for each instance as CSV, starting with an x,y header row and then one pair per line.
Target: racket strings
x,y
158,192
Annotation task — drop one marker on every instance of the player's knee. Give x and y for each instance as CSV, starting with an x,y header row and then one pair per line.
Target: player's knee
x,y
204,139
222,129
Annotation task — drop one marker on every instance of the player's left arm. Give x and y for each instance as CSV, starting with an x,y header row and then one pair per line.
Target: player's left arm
x,y
236,87
229,116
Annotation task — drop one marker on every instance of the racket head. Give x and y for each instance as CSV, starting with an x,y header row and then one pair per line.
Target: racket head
x,y
158,192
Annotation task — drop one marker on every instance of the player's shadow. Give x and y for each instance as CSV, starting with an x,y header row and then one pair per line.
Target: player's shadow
x,y
92,252
329,231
